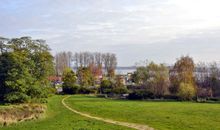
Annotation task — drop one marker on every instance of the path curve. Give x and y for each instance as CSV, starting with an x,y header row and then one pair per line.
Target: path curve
x,y
126,124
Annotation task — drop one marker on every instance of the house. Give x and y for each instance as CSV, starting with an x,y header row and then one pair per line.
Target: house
x,y
56,80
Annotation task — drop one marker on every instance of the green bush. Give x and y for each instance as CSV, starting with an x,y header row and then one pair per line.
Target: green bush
x,y
88,90
84,90
106,86
186,91
37,92
15,97
71,89
120,90
69,80
141,94
51,90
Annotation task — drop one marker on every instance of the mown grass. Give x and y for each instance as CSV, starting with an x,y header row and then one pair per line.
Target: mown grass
x,y
60,118
159,115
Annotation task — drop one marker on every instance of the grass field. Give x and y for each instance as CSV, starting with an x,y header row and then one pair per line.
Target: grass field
x,y
59,118
159,115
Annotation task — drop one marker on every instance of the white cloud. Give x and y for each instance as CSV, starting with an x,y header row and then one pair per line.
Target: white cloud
x,y
89,24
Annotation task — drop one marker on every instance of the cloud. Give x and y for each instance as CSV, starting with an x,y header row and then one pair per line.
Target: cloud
x,y
143,28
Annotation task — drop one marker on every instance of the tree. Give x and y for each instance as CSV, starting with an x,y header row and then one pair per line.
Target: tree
x,y
69,82
182,75
85,77
203,80
154,78
140,75
15,78
202,74
25,65
182,72
186,91
110,63
63,60
119,87
97,60
106,86
96,72
158,81
214,80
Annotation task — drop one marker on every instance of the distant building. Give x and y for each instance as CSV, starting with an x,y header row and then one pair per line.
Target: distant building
x,y
126,79
122,79
55,79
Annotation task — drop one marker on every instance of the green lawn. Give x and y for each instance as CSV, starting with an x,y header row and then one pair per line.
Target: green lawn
x,y
160,115
59,118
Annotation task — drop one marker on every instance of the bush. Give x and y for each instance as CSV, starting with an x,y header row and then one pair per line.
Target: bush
x,y
15,97
214,99
172,97
88,90
84,90
106,86
51,90
69,80
37,92
186,91
120,90
140,94
71,89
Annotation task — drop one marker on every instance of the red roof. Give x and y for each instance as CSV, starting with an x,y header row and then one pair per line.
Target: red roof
x,y
54,78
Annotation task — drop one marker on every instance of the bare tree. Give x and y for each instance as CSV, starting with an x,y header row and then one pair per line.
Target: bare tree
x,y
110,63
98,59
63,60
86,59
214,79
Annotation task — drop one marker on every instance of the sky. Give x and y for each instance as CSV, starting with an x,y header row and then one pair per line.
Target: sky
x,y
136,30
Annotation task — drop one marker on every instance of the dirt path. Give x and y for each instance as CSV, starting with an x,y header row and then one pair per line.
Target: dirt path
x,y
130,125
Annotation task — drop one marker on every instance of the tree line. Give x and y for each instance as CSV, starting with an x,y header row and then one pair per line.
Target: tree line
x,y
87,70
82,82
108,61
184,80
26,64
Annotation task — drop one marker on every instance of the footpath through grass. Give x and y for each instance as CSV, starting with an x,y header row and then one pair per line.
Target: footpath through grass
x,y
60,118
159,115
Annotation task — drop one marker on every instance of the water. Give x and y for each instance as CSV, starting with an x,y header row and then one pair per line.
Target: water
x,y
124,71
